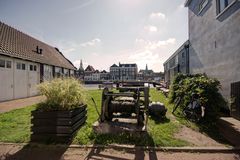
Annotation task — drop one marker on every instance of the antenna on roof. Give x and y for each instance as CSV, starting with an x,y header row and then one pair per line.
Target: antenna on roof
x,y
37,49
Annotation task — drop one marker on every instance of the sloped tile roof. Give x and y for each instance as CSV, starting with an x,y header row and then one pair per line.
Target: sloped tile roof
x,y
20,45
90,68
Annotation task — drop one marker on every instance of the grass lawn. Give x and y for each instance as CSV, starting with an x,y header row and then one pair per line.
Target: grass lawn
x,y
15,127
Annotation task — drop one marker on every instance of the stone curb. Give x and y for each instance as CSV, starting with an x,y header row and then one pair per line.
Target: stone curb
x,y
210,149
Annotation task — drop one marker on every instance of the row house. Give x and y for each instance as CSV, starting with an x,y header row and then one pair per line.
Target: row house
x,y
124,71
25,62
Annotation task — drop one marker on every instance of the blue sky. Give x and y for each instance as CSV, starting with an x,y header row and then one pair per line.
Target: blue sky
x,y
103,32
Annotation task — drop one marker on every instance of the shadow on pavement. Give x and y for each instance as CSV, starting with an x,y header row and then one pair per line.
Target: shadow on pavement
x,y
126,154
29,152
136,152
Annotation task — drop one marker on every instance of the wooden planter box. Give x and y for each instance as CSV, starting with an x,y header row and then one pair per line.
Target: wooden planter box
x,y
57,126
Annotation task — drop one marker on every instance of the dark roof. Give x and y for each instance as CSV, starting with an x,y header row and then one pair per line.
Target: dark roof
x,y
128,65
114,65
104,71
90,68
20,45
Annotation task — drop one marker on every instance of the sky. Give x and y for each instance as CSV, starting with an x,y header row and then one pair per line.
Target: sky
x,y
103,32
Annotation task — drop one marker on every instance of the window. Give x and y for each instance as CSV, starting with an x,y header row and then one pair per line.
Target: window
x,y
2,63
31,67
35,68
222,4
9,64
23,66
202,5
18,65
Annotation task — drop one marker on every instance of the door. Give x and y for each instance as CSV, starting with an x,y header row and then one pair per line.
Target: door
x,y
235,100
20,79
33,78
6,78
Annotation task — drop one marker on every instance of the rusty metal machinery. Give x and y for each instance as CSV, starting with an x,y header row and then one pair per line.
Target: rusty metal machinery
x,y
126,102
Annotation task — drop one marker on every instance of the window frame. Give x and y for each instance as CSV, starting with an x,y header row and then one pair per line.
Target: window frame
x,y
7,64
30,67
201,6
18,65
35,67
221,12
4,63
23,66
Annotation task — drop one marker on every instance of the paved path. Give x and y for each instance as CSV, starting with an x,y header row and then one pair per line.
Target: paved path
x,y
18,152
19,103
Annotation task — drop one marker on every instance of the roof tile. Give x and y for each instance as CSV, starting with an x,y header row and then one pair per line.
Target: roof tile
x,y
20,45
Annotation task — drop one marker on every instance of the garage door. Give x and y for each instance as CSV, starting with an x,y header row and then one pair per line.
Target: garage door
x,y
6,78
20,79
33,78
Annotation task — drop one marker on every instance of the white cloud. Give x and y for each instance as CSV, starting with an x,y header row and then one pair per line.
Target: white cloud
x,y
151,28
152,45
93,42
68,50
157,15
153,53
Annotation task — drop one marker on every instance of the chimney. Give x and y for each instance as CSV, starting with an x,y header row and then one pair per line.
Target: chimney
x,y
37,49
40,51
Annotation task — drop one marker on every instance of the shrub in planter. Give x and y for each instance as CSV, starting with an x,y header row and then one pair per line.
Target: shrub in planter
x,y
63,111
207,89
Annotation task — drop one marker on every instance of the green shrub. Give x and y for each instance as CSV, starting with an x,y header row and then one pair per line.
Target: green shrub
x,y
62,94
207,89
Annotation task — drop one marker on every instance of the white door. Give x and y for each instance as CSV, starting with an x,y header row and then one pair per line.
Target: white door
x,y
33,78
6,78
47,73
20,79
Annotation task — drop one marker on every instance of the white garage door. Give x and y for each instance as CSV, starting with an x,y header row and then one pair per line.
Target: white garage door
x,y
20,79
33,78
47,73
6,78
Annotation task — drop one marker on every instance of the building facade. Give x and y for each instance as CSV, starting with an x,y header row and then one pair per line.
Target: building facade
x,y
178,62
88,73
25,62
214,35
104,75
124,72
214,38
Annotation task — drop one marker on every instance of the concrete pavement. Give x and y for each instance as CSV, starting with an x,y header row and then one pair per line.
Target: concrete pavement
x,y
19,103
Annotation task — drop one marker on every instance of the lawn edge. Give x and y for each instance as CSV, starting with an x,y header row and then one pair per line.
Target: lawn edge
x,y
209,149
